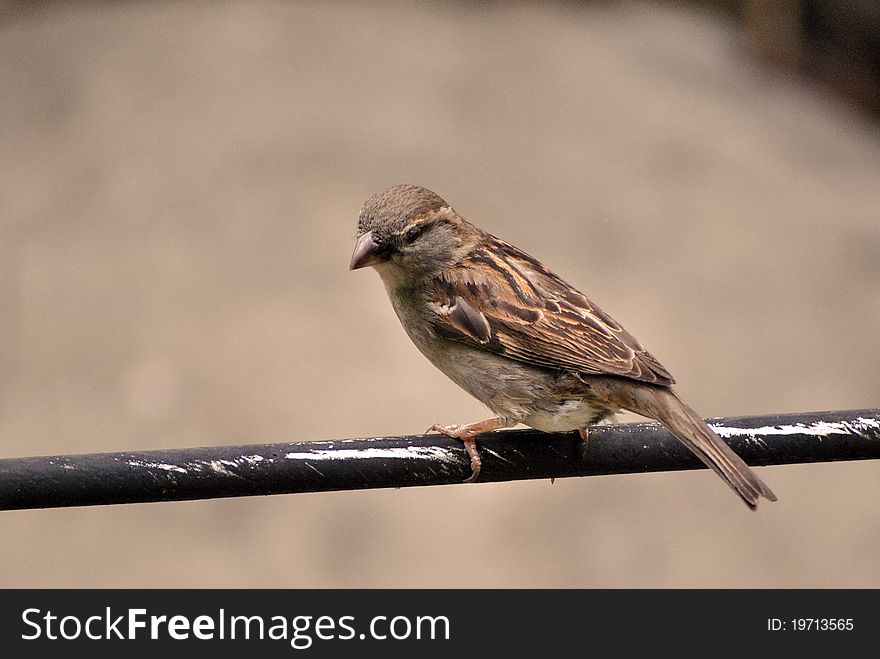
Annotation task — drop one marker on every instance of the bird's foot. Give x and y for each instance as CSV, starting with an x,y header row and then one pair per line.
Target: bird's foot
x,y
585,441
466,434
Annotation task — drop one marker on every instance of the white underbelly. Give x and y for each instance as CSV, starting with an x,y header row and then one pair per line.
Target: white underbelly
x,y
568,415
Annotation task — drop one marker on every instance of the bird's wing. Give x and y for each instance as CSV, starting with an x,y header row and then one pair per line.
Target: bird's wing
x,y
502,300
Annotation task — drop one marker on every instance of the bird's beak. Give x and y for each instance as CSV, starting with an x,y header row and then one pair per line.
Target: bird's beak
x,y
365,252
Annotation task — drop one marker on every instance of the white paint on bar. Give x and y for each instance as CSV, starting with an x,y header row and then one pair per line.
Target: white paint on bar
x,y
817,429
873,424
219,466
405,453
156,465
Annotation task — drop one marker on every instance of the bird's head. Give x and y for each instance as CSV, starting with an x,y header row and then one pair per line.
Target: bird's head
x,y
408,232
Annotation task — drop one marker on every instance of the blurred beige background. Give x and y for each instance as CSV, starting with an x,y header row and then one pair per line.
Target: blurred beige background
x,y
179,187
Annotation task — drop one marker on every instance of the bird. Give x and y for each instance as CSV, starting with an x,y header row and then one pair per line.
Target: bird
x,y
517,337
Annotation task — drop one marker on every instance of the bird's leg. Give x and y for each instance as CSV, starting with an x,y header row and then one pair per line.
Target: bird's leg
x,y
466,433
585,441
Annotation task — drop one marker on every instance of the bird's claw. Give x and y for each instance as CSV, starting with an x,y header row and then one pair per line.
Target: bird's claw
x,y
452,431
585,441
470,445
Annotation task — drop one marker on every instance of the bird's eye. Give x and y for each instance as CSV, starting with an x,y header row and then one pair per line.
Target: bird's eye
x,y
413,233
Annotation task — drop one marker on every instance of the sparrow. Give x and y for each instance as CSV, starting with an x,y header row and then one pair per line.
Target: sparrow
x,y
517,337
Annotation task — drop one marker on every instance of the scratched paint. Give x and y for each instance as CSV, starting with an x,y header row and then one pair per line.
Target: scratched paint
x,y
874,424
405,453
156,465
219,466
253,459
817,429
499,456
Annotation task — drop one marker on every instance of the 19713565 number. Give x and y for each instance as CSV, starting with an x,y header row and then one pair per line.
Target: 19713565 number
x,y
811,624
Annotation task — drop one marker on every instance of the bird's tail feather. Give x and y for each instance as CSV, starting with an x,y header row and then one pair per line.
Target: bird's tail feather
x,y
661,404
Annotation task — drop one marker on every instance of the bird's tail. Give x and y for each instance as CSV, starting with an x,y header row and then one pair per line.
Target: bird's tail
x,y
661,404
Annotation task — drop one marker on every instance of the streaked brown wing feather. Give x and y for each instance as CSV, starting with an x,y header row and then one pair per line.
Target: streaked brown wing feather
x,y
501,299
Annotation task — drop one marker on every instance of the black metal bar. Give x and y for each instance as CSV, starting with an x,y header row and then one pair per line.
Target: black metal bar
x,y
351,464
